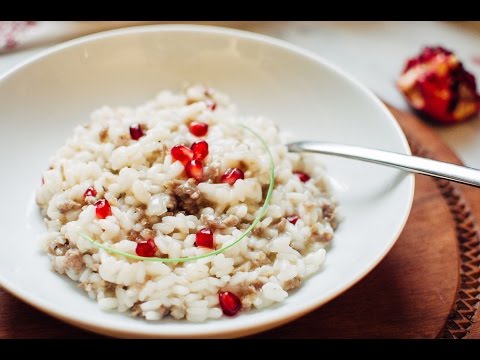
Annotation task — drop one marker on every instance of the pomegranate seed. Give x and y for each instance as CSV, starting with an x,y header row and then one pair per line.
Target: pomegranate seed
x,y
103,209
146,248
232,175
293,219
302,176
200,150
204,238
211,105
198,128
182,153
136,131
90,192
229,302
194,169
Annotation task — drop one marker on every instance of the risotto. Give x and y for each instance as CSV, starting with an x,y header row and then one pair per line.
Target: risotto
x,y
179,178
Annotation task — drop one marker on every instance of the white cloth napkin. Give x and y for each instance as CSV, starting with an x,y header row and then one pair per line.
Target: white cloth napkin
x,y
15,35
19,35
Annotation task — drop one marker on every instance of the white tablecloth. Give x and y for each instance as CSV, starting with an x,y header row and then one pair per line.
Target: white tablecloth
x,y
373,52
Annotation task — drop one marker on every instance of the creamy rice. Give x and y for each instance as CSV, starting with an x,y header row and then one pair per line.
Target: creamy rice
x,y
151,197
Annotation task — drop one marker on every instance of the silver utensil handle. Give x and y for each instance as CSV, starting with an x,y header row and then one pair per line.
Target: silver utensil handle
x,y
415,164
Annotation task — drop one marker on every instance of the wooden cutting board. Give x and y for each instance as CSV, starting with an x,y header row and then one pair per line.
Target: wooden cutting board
x,y
426,287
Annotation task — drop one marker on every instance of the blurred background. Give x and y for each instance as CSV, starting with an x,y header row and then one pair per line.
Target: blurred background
x,y
373,52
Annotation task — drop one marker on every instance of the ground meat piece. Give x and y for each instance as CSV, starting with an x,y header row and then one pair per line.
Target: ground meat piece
x,y
85,286
259,258
59,246
231,220
247,301
103,134
187,196
260,232
136,310
73,260
170,203
211,221
191,101
189,188
282,225
242,165
68,205
145,223
292,283
309,206
257,285
148,234
324,237
328,211
212,171
219,222
133,235
248,294
109,287
123,140
157,155
143,218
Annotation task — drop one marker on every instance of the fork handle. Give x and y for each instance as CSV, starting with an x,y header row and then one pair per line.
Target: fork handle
x,y
416,164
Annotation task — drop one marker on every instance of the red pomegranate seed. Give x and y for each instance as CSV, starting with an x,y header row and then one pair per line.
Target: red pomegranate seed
x,y
198,128
302,176
136,131
103,209
194,169
204,238
212,105
229,302
232,175
90,192
293,219
200,150
146,248
182,153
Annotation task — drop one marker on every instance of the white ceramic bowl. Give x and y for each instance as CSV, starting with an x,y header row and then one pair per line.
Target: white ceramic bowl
x,y
44,98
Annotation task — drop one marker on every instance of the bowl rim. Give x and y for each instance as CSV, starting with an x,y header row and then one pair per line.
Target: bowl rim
x,y
247,328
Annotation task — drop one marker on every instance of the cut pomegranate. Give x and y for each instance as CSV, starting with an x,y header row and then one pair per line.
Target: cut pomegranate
x,y
146,248
182,153
211,105
103,209
232,175
229,302
204,238
198,128
302,176
293,219
136,131
90,192
194,169
436,84
200,150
